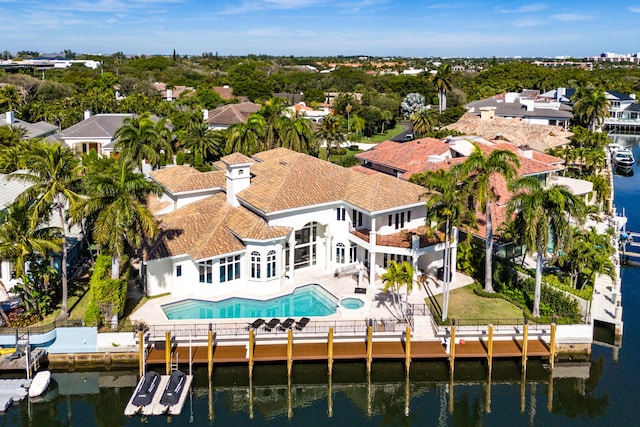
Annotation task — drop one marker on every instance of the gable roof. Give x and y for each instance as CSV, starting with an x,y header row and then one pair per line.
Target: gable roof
x,y
209,227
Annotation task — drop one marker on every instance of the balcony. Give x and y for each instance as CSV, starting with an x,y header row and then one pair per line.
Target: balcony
x,y
403,238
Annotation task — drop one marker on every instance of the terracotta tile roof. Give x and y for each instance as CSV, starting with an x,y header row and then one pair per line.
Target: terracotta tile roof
x,y
236,159
404,156
178,179
230,114
209,227
225,92
364,170
517,131
155,205
527,166
283,179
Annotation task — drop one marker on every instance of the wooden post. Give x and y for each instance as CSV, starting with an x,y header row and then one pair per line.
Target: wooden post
x,y
523,392
330,397
210,350
251,345
167,352
330,352
141,353
552,346
452,349
550,393
369,348
289,352
525,344
490,350
407,350
487,402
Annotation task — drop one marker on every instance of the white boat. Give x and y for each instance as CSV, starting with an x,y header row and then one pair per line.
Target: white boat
x,y
40,383
623,158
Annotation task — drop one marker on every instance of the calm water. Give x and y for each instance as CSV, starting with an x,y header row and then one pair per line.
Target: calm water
x,y
601,392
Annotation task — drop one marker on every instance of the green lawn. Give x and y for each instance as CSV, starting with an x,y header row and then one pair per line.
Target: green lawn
x,y
464,304
388,134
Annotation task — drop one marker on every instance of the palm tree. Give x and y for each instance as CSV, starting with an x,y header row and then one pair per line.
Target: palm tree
x,y
590,254
247,138
19,239
163,145
542,218
138,140
10,98
331,132
272,111
296,133
201,140
423,121
441,82
448,205
482,168
53,177
393,278
115,205
602,188
591,106
386,117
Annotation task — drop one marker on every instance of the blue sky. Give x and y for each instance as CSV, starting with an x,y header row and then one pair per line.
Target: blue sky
x,y
322,27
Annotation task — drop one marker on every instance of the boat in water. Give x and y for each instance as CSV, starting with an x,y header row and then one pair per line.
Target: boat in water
x,y
622,158
40,383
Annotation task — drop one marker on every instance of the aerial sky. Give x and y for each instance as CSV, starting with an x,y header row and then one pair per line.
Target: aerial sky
x,y
420,28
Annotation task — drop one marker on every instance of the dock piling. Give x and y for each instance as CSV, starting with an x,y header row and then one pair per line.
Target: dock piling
x,y
490,349
210,350
289,353
330,352
407,350
525,344
167,352
369,348
452,347
552,346
141,352
251,345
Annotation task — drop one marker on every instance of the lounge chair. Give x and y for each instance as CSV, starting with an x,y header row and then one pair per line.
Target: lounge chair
x,y
255,324
358,290
271,324
287,324
302,323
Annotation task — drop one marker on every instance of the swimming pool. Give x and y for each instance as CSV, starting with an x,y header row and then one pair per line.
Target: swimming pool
x,y
307,300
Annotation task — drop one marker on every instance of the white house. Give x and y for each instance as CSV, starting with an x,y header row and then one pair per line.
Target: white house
x,y
250,227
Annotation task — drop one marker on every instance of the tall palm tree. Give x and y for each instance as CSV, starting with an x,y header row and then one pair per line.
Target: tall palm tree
x,y
423,121
10,98
115,204
201,140
397,275
247,138
53,177
163,145
481,168
19,239
296,133
542,218
138,140
386,117
331,132
448,205
441,82
272,111
591,106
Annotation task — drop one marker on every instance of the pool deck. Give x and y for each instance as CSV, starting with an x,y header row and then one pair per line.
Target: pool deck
x,y
376,301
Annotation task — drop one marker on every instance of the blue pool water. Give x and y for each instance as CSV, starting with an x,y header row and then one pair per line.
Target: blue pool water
x,y
352,303
307,300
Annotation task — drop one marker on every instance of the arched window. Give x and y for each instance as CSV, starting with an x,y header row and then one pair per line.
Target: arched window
x,y
271,264
340,253
255,265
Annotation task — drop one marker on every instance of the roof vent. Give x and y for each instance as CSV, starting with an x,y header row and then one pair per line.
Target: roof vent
x,y
282,162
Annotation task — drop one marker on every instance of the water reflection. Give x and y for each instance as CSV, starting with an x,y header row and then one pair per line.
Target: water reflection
x,y
349,397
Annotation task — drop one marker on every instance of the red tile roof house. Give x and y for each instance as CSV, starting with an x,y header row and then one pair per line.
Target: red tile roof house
x,y
230,114
248,228
402,160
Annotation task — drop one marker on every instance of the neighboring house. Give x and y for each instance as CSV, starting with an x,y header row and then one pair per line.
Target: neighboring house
x,y
403,160
173,92
230,114
40,129
95,132
624,110
291,98
491,127
527,105
226,93
248,228
312,114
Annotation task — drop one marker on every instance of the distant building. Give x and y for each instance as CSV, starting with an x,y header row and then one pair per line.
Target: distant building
x,y
230,114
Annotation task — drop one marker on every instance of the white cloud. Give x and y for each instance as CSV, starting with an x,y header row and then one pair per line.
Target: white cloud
x,y
527,8
634,9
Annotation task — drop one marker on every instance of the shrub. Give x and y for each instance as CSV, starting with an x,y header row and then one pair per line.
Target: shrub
x,y
108,295
180,158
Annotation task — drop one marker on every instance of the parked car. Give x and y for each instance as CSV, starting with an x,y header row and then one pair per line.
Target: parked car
x,y
408,137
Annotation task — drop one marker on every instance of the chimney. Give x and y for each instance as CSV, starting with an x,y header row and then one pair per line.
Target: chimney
x,y
527,152
87,114
9,117
562,91
169,94
632,95
487,113
238,175
205,114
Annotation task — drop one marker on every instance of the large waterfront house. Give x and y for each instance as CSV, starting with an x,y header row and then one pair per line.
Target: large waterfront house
x,y
248,228
527,105
624,110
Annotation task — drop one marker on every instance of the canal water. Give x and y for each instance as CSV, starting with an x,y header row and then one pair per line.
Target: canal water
x,y
598,392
